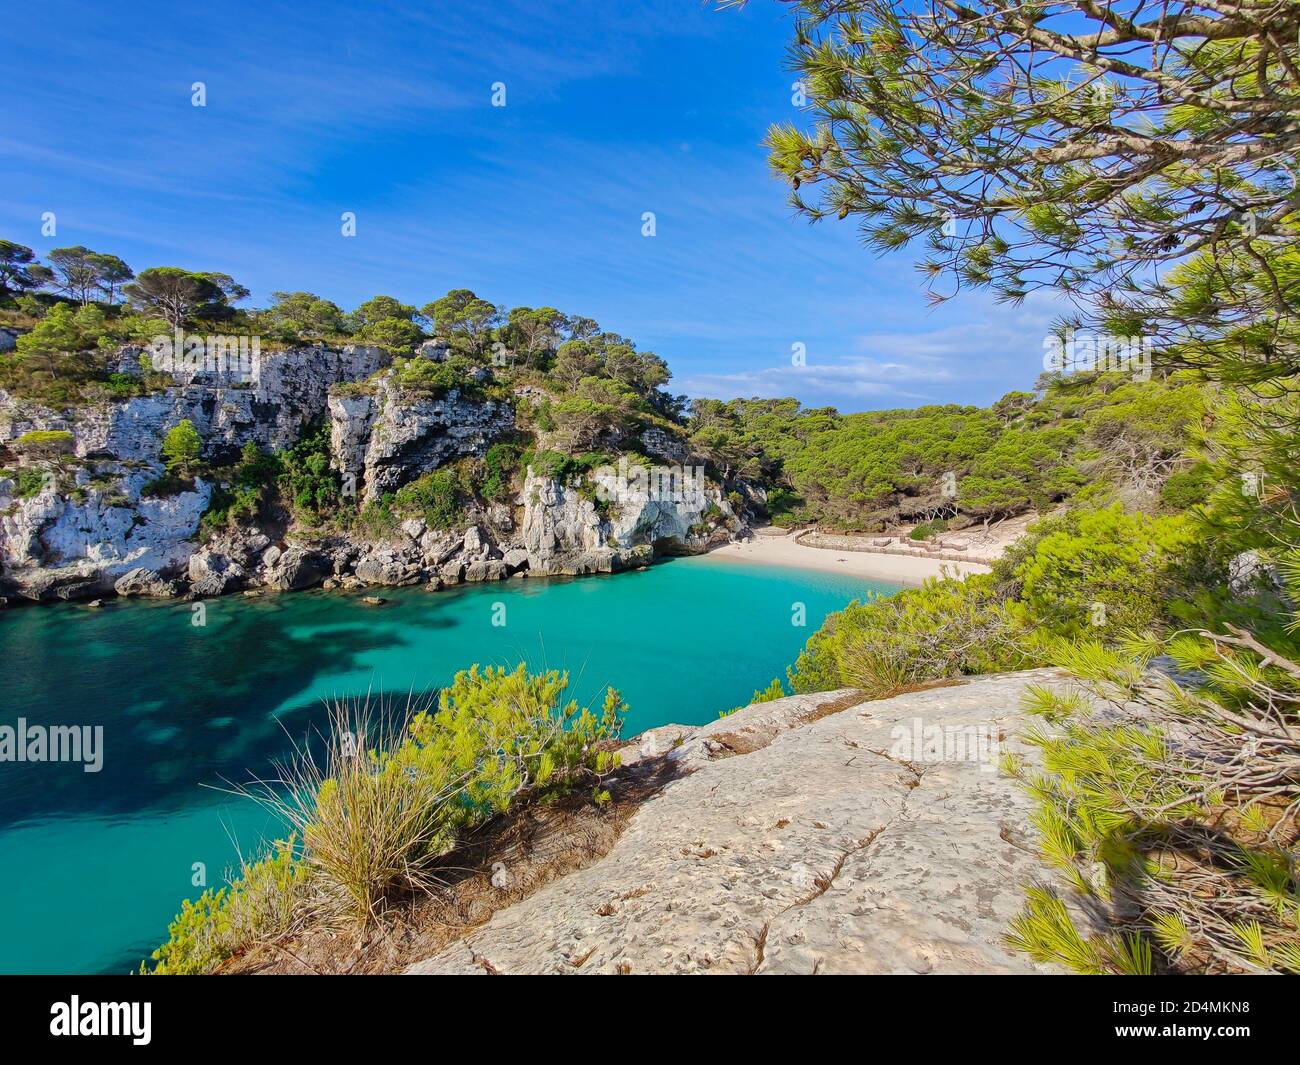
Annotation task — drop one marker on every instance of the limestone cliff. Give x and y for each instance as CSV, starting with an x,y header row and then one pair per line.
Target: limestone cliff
x,y
106,532
384,438
617,523
65,544
287,390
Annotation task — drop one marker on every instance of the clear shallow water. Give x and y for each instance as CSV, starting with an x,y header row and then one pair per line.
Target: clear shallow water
x,y
94,865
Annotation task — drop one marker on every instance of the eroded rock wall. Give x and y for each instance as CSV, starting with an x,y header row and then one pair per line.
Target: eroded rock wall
x,y
383,437
106,528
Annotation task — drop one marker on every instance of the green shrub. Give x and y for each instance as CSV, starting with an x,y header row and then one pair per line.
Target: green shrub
x,y
384,808
500,464
181,448
395,334
551,464
392,793
1188,848
378,519
305,476
1186,488
502,734
783,506
924,530
259,904
562,467
46,443
124,385
242,495
436,378
945,628
29,481
55,334
1103,572
67,359
435,497
545,416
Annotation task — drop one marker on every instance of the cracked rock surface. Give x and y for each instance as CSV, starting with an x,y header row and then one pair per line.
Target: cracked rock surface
x,y
808,834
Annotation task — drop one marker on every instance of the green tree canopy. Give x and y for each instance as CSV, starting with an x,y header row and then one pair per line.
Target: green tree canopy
x,y
378,308
1071,145
178,295
304,314
19,271
181,448
83,274
54,334
395,334
533,331
463,319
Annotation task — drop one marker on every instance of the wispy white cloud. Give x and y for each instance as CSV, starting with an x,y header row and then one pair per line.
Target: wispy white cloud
x,y
962,362
849,380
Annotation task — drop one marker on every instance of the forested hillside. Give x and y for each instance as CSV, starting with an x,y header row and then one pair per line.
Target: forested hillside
x,y
592,394
1029,450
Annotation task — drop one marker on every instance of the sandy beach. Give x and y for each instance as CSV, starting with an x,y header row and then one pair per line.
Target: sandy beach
x,y
902,569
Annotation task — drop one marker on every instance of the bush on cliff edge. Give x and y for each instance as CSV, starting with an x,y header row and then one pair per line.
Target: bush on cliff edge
x,y
392,794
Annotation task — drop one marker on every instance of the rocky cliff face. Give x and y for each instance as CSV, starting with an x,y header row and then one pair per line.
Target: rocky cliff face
x,y
107,534
383,438
814,834
59,546
287,390
564,528
70,543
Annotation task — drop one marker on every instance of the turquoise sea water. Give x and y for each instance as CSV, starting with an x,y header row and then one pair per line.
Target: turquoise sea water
x,y
93,865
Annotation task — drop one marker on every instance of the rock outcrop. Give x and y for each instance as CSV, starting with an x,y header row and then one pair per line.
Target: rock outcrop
x,y
56,540
98,533
616,525
100,511
813,834
145,583
382,437
286,391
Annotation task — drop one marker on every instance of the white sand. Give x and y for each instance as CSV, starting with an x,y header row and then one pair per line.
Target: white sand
x,y
900,569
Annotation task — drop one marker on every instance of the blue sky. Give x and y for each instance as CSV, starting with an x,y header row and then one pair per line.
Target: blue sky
x,y
386,110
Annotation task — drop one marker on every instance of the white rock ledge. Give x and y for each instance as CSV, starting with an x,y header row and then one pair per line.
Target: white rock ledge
x,y
818,851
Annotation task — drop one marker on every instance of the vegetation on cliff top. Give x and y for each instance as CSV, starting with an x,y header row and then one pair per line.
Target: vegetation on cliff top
x,y
863,471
